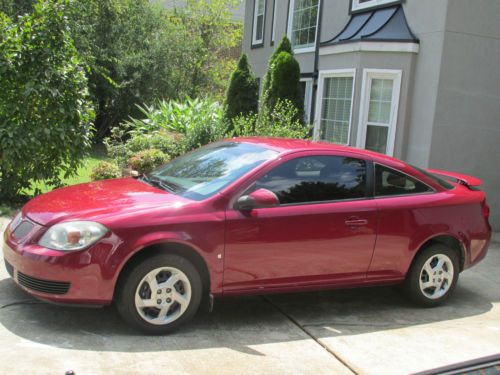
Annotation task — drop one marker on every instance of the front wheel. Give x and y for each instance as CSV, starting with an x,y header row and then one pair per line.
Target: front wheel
x,y
433,275
160,294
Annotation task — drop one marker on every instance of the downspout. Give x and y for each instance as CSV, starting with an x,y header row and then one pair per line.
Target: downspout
x,y
316,62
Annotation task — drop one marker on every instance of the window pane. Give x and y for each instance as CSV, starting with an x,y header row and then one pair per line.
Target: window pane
x,y
259,32
390,182
336,109
380,101
376,138
317,179
304,19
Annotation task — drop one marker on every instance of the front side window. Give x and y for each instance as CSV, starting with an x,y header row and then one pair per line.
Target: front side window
x,y
336,108
316,179
258,22
304,18
204,172
389,182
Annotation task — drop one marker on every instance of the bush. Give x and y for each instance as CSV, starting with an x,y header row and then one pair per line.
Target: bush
x,y
242,96
281,122
45,113
121,149
105,170
284,83
201,121
284,46
147,160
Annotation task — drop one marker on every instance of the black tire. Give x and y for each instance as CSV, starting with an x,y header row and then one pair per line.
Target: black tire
x,y
411,285
125,299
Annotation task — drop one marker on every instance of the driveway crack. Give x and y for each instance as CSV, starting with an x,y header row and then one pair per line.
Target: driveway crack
x,y
308,333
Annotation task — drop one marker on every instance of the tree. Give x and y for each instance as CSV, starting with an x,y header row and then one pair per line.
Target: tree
x,y
45,112
284,46
284,83
242,96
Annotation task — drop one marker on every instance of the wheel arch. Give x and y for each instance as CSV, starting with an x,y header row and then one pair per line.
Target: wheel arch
x,y
450,241
169,247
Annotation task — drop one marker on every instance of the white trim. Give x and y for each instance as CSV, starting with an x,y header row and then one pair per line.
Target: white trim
x,y
319,97
308,97
256,41
273,34
405,47
356,5
368,75
291,7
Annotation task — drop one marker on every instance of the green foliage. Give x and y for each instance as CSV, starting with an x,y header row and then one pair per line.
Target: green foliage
x,y
45,116
284,46
147,160
121,148
105,170
280,122
201,121
242,96
285,83
15,8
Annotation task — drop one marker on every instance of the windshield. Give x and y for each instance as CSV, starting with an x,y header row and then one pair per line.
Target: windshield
x,y
203,172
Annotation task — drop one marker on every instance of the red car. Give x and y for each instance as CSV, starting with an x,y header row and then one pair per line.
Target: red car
x,y
248,216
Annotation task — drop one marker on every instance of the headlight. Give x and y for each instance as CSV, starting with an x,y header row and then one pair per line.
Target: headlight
x,y
72,235
16,220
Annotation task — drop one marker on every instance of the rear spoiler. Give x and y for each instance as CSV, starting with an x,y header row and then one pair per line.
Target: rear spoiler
x,y
462,179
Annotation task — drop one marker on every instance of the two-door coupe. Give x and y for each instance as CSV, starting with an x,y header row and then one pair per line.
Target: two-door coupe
x,y
248,216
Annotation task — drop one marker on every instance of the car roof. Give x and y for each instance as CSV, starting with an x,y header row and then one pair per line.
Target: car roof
x,y
287,145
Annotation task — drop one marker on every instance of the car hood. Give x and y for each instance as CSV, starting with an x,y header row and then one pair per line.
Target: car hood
x,y
98,200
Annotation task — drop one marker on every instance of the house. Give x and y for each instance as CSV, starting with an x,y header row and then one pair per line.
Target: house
x,y
416,79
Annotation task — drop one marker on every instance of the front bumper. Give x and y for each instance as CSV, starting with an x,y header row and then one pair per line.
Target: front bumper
x,y
73,277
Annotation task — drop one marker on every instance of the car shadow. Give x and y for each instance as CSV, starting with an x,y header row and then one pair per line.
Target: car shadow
x,y
236,323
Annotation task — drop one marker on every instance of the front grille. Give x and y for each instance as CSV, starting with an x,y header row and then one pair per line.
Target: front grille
x,y
22,229
44,286
9,268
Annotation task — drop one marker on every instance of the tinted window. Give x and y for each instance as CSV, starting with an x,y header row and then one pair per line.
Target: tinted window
x,y
316,179
438,180
390,182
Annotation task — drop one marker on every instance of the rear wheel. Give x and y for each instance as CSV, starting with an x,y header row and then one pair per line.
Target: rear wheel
x,y
433,275
160,294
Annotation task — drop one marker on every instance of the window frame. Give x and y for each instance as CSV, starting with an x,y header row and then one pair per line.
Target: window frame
x,y
357,7
247,187
364,107
308,97
299,50
336,73
256,43
432,190
273,25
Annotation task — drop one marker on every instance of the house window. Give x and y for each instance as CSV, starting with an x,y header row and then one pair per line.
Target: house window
x,y
360,5
259,16
273,32
335,107
307,84
302,24
379,110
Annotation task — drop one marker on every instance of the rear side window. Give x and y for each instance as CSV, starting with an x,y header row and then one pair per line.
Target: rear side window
x,y
389,182
316,179
440,181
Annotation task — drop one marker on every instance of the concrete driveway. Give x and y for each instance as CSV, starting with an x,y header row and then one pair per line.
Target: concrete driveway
x,y
367,331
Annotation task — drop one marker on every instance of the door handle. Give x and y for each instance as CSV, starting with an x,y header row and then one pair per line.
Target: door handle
x,y
354,222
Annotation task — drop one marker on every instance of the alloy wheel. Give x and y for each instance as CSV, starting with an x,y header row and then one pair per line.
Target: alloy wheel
x,y
436,276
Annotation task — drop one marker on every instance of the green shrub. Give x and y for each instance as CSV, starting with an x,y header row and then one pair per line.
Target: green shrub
x,y
201,121
45,112
105,170
242,96
284,46
281,122
147,160
284,83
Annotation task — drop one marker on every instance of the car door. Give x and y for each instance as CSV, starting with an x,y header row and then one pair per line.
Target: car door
x,y
323,231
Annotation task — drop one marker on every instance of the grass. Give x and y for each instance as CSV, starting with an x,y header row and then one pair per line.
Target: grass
x,y
82,175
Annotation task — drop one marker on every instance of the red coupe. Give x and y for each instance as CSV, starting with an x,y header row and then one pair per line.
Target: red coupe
x,y
248,216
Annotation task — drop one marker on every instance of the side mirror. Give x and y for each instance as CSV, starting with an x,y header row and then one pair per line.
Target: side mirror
x,y
261,198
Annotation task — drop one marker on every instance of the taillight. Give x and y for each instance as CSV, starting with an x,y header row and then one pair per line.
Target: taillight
x,y
486,210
